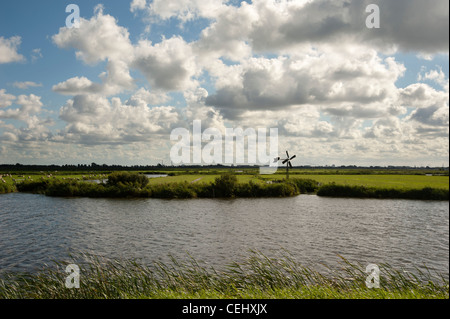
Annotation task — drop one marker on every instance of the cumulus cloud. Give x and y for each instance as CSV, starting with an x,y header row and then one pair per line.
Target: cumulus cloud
x,y
137,5
29,105
116,79
436,76
5,98
8,50
97,39
168,65
27,109
76,85
93,119
421,95
403,24
323,78
145,96
433,115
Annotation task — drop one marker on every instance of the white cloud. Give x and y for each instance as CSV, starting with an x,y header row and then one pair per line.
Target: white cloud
x,y
169,65
437,76
148,97
8,50
29,105
137,5
76,85
421,95
277,25
36,54
327,77
93,119
97,39
5,98
25,85
185,9
36,129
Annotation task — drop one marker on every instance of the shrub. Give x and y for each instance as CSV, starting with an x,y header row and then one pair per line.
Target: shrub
x,y
305,185
6,188
225,185
127,178
33,186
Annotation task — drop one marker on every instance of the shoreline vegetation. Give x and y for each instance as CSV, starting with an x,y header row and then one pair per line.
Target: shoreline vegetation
x,y
226,185
256,277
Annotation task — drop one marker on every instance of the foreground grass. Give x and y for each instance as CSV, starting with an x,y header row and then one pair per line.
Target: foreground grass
x,y
257,277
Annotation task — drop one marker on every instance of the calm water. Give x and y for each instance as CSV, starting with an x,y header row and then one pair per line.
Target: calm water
x,y
36,229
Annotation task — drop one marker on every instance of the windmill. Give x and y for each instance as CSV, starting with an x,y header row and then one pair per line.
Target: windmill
x,y
286,161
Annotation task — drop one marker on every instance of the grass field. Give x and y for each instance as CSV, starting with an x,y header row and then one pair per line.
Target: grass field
x,y
388,181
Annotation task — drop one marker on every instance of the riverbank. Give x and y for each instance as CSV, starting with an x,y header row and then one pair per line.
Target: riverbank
x,y
426,193
125,184
258,276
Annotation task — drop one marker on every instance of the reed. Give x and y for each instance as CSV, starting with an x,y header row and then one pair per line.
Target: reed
x,y
257,276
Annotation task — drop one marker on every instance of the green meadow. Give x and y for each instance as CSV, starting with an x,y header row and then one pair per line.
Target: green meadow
x,y
388,181
373,180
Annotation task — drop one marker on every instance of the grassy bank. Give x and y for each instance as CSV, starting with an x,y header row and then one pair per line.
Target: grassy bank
x,y
258,276
227,185
7,188
426,193
126,184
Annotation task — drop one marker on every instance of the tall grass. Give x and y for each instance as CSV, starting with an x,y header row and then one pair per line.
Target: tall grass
x,y
7,188
426,193
257,276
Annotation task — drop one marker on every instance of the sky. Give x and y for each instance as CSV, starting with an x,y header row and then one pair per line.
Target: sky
x,y
112,90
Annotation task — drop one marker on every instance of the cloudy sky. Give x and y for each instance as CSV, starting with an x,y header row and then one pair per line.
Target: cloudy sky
x,y
112,90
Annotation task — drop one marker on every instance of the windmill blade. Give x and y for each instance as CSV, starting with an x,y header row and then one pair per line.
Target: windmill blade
x,y
290,165
293,157
287,154
284,162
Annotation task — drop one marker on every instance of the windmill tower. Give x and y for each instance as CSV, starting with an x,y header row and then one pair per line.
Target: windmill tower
x,y
286,161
